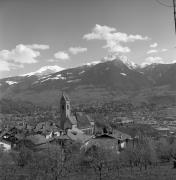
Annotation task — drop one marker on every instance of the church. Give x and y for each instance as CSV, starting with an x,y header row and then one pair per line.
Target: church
x,y
78,122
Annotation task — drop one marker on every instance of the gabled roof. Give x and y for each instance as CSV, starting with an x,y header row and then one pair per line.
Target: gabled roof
x,y
83,120
72,120
62,137
76,136
120,135
103,141
37,139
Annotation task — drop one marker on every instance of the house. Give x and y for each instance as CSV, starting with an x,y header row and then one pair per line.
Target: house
x,y
9,139
116,142
48,129
78,136
37,142
5,145
79,121
123,121
103,141
122,138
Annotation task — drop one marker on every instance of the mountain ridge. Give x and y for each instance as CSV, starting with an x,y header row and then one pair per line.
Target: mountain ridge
x,y
104,80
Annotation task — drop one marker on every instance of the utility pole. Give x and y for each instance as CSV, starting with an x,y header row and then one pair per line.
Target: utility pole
x,y
169,6
174,6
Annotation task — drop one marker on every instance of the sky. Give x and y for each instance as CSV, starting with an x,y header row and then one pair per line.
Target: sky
x,y
69,33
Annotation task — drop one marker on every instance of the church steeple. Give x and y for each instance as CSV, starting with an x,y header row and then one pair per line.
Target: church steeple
x,y
64,109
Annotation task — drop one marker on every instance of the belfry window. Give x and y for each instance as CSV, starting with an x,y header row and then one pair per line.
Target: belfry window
x,y
63,107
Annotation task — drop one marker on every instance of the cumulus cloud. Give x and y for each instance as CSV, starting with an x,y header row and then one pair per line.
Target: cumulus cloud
x,y
7,66
152,51
76,50
99,32
39,46
154,45
61,55
114,47
152,60
113,38
20,55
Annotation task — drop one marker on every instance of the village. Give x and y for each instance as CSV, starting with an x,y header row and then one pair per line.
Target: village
x,y
80,126
77,127
106,141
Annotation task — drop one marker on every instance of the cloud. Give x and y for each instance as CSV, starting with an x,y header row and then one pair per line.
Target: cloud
x,y
113,38
164,50
61,55
76,50
154,45
39,46
99,32
4,66
7,66
114,47
152,51
52,60
152,60
21,54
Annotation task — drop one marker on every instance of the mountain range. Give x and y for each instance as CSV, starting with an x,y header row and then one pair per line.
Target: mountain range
x,y
101,81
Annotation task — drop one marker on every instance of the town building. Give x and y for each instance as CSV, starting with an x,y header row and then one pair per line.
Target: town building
x,y
78,122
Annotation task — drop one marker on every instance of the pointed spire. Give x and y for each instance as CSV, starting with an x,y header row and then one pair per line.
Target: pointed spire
x,y
65,96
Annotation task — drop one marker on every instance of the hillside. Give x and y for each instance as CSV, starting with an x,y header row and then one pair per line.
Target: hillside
x,y
107,80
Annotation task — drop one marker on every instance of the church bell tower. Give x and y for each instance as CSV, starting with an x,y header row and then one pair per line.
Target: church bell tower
x,y
64,109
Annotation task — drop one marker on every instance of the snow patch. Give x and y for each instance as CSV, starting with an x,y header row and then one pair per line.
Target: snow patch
x,y
45,71
45,77
11,82
59,76
93,63
127,62
75,80
81,72
123,74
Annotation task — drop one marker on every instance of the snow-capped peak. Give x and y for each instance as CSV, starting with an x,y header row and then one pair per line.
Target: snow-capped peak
x,y
45,70
124,59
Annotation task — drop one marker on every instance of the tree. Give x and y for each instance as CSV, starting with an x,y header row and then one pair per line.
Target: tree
x,y
100,160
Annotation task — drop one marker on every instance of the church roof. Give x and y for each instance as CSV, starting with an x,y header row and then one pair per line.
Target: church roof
x,y
83,120
72,120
